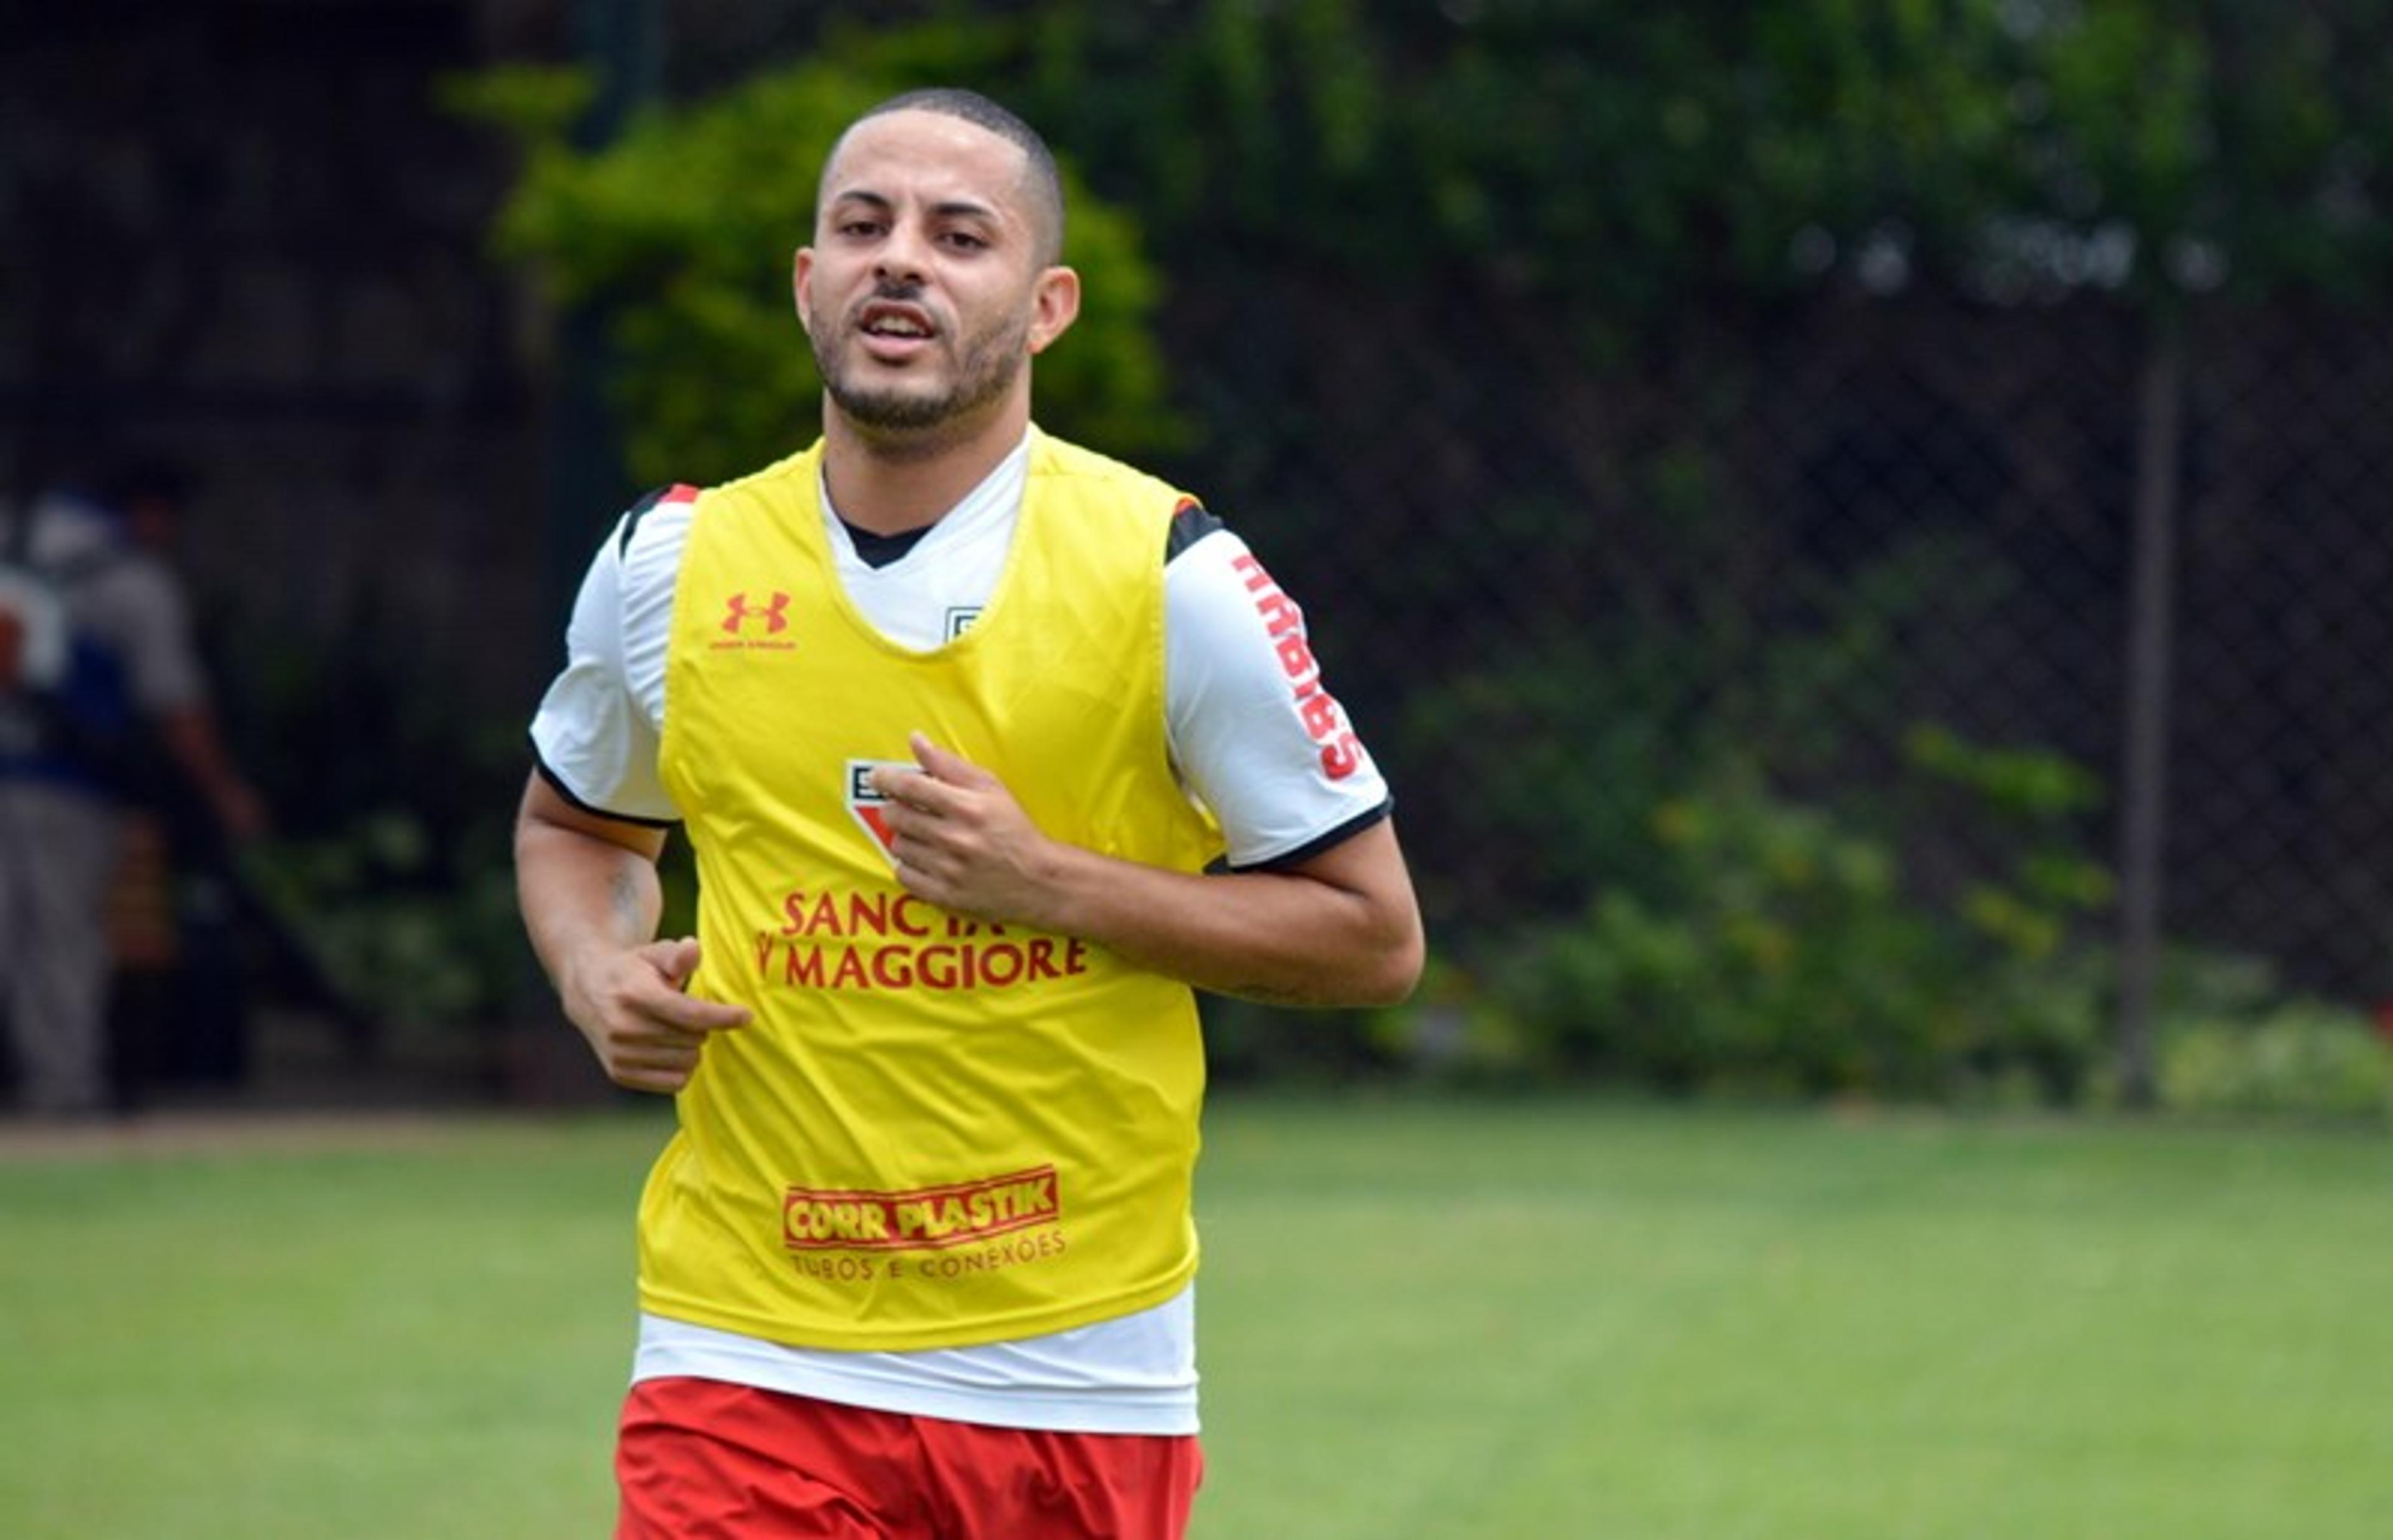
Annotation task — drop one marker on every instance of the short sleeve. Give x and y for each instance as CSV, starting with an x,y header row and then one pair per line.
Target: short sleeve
x,y
600,724
1255,731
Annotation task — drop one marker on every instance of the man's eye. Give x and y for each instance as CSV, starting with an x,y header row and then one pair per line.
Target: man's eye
x,y
964,240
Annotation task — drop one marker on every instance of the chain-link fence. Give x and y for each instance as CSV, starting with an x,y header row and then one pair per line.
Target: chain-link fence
x,y
2006,592
1559,591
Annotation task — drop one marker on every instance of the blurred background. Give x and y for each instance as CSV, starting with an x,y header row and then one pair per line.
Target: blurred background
x,y
1859,530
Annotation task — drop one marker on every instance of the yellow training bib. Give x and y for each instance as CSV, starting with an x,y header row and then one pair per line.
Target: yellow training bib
x,y
935,1131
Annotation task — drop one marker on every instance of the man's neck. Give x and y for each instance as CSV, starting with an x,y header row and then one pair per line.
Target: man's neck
x,y
890,487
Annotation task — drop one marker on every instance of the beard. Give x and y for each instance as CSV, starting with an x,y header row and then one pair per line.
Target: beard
x,y
986,364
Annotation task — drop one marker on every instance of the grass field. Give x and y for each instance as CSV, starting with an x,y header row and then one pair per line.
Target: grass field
x,y
1420,1321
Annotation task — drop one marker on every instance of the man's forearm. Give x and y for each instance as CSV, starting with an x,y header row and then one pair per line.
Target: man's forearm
x,y
579,889
1340,931
1341,927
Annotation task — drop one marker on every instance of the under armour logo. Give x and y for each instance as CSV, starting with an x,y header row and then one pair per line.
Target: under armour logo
x,y
774,612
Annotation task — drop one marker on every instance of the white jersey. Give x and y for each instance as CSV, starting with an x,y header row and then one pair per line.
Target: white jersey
x,y
1243,744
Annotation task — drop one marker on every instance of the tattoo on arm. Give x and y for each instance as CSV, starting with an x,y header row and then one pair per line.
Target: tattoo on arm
x,y
623,893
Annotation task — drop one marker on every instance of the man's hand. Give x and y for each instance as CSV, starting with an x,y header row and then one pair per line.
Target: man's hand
x,y
645,1031
961,841
1338,927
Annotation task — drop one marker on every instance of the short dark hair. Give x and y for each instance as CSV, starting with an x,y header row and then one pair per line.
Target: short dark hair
x,y
1045,182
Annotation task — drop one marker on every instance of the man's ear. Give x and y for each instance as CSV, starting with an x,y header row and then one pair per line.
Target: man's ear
x,y
1055,304
802,269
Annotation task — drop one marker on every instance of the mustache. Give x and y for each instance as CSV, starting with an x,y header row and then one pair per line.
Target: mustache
x,y
886,291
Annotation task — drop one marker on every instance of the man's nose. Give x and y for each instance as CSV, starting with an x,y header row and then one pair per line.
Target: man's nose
x,y
904,255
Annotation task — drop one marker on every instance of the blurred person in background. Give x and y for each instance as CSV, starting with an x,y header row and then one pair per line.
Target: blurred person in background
x,y
957,717
104,705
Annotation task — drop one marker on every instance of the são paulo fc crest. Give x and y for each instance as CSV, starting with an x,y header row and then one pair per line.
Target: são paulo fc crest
x,y
865,803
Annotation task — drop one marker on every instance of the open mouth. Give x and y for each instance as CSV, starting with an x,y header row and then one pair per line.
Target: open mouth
x,y
897,324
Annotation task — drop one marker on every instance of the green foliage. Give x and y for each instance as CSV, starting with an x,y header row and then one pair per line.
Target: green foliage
x,y
1767,880
682,234
1566,741
1771,831
2301,1057
2230,1037
1556,754
1621,161
415,939
538,105
2025,782
1782,948
390,861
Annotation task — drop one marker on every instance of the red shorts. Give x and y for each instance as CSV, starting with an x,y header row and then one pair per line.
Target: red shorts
x,y
700,1461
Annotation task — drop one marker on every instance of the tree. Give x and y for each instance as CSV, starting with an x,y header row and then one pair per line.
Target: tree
x,y
681,233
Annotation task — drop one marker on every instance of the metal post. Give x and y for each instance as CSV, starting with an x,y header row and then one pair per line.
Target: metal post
x,y
2150,646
